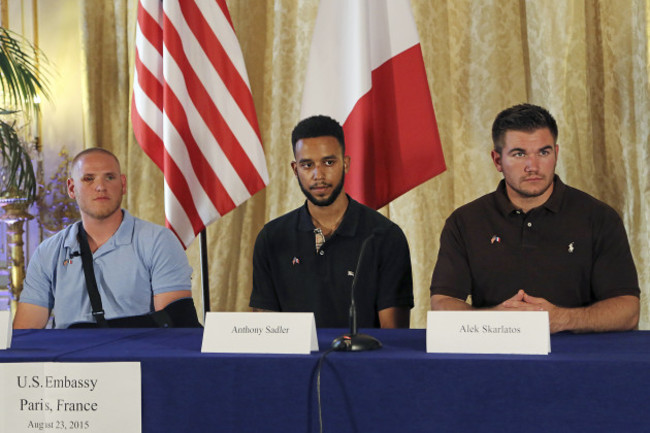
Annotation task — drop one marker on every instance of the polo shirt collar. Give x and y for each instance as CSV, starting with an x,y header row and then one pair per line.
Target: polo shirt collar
x,y
123,235
348,226
553,203
71,237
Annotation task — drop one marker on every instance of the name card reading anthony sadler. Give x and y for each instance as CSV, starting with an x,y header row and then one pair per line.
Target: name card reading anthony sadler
x,y
509,332
71,397
259,333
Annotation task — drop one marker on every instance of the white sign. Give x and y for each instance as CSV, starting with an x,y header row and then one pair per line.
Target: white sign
x,y
5,330
259,333
520,332
72,397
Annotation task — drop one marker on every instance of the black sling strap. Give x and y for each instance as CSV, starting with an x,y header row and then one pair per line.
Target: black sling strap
x,y
180,313
89,273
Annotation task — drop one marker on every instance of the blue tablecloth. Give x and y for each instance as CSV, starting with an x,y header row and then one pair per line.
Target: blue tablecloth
x,y
589,383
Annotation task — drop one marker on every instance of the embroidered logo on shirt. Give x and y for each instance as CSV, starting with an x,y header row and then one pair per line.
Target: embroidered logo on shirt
x,y
350,274
496,239
571,248
295,261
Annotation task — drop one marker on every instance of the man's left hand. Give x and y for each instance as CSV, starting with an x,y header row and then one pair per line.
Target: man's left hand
x,y
556,315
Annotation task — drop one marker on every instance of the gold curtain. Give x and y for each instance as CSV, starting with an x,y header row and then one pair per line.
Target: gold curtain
x,y
587,61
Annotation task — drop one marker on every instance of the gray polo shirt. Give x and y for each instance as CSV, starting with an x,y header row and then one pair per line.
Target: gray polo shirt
x,y
139,261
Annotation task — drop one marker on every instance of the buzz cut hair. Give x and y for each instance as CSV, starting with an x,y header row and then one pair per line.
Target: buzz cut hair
x,y
90,150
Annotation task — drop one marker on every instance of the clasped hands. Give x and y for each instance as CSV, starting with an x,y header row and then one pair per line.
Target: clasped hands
x,y
522,301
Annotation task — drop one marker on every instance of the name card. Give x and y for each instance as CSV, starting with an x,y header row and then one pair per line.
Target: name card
x,y
510,332
259,333
5,330
71,397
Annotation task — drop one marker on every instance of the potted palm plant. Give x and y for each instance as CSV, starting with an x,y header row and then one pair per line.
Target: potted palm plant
x,y
17,178
21,85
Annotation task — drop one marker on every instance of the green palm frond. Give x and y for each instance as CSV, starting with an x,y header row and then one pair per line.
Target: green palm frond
x,y
22,82
18,178
22,79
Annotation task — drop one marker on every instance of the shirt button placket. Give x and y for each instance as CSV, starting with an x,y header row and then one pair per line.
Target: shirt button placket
x,y
527,234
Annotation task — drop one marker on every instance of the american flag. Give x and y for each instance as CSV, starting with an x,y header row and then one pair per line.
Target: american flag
x,y
192,111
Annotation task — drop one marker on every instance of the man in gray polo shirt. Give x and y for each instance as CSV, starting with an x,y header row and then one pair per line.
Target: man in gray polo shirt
x,y
536,243
139,267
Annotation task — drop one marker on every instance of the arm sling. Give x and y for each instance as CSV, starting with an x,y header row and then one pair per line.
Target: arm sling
x,y
180,313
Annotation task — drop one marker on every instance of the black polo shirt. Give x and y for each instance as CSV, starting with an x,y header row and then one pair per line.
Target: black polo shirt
x,y
572,251
289,275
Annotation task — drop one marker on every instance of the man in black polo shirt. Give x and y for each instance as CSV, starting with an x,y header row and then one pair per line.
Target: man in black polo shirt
x,y
306,260
536,243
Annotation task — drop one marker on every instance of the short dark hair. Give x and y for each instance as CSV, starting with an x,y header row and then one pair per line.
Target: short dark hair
x,y
522,117
317,126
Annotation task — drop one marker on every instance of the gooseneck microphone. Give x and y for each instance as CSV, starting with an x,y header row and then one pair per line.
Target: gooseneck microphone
x,y
355,342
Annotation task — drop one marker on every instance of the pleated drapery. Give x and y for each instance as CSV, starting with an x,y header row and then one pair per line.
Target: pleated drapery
x,y
587,61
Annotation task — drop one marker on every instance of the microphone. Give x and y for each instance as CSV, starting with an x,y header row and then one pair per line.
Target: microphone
x,y
355,342
69,259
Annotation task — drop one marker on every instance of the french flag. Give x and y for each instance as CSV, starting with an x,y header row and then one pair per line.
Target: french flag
x,y
366,71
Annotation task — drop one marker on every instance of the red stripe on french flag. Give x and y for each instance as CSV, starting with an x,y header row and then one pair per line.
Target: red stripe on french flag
x,y
392,134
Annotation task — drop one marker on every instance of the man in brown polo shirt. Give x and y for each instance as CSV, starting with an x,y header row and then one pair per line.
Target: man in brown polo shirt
x,y
536,243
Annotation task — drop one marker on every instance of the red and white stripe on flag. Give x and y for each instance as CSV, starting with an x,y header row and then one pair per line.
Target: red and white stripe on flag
x,y
366,71
192,111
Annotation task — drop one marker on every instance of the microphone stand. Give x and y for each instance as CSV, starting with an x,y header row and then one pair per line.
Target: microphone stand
x,y
355,342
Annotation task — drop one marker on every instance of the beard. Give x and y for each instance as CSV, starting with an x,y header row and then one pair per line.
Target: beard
x,y
329,200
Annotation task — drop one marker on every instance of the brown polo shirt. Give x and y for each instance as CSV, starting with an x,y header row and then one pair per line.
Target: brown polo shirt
x,y
572,251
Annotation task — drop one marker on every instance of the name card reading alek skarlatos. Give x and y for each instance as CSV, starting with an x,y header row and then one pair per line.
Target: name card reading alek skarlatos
x,y
259,333
506,332
5,330
73,397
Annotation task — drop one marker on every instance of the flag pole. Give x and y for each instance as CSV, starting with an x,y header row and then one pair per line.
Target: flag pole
x,y
205,283
202,169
